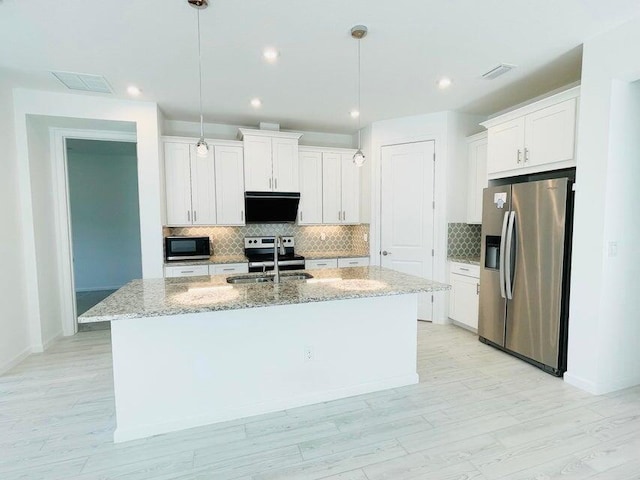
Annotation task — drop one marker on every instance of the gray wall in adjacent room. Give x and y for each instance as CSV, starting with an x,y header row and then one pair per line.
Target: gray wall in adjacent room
x,y
105,219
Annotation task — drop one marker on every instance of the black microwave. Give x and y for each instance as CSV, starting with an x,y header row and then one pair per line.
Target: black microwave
x,y
187,248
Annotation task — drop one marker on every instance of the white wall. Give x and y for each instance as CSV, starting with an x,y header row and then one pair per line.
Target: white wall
x,y
604,332
14,333
230,132
105,220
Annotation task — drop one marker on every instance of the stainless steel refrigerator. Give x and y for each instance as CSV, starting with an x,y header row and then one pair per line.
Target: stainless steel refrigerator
x,y
524,274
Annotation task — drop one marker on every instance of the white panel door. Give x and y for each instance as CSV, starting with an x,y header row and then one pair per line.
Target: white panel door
x,y
331,188
257,164
550,134
285,164
506,146
350,191
229,185
310,170
203,188
177,183
407,213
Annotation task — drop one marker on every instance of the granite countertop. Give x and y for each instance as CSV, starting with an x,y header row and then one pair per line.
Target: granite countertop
x,y
467,260
175,296
334,254
212,260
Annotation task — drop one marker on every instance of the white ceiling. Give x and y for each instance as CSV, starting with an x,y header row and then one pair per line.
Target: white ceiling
x,y
411,43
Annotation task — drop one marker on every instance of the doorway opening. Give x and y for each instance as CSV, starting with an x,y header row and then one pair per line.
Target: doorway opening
x,y
104,218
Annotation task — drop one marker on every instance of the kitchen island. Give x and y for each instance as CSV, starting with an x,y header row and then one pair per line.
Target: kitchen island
x,y
198,350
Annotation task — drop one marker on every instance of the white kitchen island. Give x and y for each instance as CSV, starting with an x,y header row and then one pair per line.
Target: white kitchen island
x,y
194,351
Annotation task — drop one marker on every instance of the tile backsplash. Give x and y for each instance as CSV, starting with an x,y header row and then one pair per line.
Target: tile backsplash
x,y
464,240
230,240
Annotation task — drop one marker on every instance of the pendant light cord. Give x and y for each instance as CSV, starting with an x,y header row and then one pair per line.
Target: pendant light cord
x,y
200,78
359,94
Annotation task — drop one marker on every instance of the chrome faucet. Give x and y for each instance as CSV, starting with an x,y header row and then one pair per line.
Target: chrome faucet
x,y
277,242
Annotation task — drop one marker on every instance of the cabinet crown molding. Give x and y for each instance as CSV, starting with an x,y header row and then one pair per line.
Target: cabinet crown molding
x,y
193,140
340,150
532,107
267,133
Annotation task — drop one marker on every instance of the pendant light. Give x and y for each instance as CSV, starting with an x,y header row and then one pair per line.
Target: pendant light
x,y
359,32
202,149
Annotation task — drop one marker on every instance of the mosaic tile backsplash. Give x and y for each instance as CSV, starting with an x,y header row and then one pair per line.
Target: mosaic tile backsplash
x,y
464,240
230,240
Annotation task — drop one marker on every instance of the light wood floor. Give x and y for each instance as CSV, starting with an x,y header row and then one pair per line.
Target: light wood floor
x,y
477,414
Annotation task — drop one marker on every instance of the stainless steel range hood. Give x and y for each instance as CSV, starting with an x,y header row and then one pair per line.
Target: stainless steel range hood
x,y
271,207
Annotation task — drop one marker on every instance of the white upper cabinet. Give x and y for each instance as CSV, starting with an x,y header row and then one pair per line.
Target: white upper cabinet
x,y
310,175
229,172
535,138
178,183
190,186
270,161
340,189
477,180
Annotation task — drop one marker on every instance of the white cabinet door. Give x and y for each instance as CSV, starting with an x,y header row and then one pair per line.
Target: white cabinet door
x,y
257,164
353,262
177,183
506,146
229,185
310,168
203,188
331,188
550,134
477,181
321,263
350,191
186,271
464,300
284,153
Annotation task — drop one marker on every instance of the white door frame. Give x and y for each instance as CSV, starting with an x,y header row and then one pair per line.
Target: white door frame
x,y
58,138
433,199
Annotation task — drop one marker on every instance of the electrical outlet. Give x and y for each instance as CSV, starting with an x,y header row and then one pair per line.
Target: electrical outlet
x,y
323,236
308,354
365,237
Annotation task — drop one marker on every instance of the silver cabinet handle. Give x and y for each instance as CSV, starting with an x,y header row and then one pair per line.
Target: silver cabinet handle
x,y
508,280
464,269
526,155
186,271
194,216
339,213
503,240
321,264
228,269
353,263
344,215
300,215
519,156
385,253
275,182
242,215
477,289
270,184
188,216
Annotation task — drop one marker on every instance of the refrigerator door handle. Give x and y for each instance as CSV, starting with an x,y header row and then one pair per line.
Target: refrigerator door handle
x,y
503,293
508,273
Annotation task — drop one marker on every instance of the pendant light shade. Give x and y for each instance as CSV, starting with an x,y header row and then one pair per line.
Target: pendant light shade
x,y
202,148
359,32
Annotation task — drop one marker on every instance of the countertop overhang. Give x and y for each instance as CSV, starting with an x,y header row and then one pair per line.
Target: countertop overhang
x,y
184,295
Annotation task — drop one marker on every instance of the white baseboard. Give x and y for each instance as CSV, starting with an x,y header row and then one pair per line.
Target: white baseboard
x,y
8,365
47,343
250,410
600,388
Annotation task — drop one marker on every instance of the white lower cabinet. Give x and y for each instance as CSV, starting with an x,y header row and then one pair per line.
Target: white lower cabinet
x,y
321,263
353,262
464,294
228,268
186,271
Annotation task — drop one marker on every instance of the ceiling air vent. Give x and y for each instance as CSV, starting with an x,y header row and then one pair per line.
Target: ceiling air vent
x,y
83,81
497,71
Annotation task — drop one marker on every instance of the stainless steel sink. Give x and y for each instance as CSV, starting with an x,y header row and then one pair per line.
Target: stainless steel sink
x,y
284,277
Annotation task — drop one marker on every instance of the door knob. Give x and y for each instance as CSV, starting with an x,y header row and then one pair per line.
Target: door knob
x,y
385,253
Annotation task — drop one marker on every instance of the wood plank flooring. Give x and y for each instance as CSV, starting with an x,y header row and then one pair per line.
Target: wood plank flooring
x,y
477,414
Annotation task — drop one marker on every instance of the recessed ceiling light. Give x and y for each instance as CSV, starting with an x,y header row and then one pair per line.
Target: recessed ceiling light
x,y
444,82
133,90
270,54
354,113
256,102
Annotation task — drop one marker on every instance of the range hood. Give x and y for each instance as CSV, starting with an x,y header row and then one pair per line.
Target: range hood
x,y
271,207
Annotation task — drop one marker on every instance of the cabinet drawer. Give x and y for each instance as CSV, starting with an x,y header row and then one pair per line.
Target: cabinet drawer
x,y
321,263
186,271
225,268
465,269
353,262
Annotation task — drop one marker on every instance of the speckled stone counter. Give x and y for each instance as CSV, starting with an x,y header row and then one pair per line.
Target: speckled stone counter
x,y
213,260
176,296
332,254
467,260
